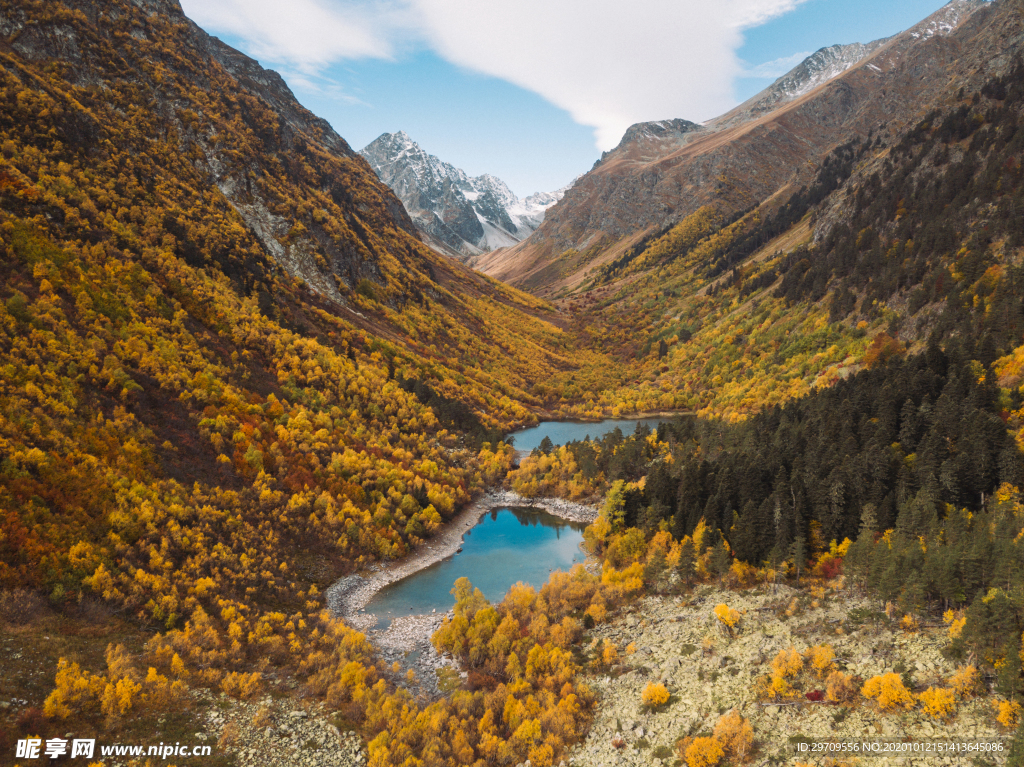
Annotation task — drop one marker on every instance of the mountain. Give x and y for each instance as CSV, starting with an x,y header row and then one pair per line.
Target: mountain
x,y
459,214
907,232
662,172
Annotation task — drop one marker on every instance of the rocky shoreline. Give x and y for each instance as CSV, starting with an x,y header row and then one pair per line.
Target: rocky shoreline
x,y
557,507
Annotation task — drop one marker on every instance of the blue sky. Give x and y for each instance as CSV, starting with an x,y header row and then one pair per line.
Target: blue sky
x,y
532,90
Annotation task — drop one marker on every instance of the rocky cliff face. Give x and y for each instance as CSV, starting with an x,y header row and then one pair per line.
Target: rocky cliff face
x,y
460,214
663,171
166,59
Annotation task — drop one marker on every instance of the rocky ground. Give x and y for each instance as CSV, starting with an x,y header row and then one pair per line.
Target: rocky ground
x,y
680,642
277,733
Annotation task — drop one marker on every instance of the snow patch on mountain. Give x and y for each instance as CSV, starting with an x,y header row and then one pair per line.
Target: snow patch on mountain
x,y
818,68
469,214
946,19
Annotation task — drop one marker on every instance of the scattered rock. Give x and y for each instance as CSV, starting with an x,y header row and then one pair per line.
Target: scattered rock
x,y
621,719
307,739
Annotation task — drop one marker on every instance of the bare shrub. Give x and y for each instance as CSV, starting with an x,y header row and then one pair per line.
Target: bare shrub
x,y
20,606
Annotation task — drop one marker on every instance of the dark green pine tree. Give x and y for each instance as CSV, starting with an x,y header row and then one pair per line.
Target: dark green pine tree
x,y
651,516
991,618
782,510
1015,757
910,426
798,553
721,560
858,558
687,566
655,570
942,572
833,516
743,534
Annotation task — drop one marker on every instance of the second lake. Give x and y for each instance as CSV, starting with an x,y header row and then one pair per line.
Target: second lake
x,y
562,432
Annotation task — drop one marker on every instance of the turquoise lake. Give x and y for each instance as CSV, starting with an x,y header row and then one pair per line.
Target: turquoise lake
x,y
570,431
508,545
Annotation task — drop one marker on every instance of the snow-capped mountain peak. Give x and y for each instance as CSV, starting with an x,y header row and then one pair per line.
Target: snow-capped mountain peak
x,y
467,214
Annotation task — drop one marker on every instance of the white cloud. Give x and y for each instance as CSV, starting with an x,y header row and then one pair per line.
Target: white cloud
x,y
305,34
753,13
608,64
777,68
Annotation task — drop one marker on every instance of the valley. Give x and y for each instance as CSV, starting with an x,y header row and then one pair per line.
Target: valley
x,y
255,384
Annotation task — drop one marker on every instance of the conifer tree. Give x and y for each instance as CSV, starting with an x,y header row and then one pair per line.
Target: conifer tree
x,y
1008,679
686,567
721,561
798,553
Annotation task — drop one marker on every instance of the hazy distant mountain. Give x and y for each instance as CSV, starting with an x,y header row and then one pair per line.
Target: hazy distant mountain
x,y
463,215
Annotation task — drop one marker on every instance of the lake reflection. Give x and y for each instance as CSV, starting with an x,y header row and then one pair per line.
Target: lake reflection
x,y
508,545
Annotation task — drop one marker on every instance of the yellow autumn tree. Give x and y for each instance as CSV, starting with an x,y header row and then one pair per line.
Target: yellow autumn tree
x,y
735,735
703,752
74,690
654,695
964,682
888,691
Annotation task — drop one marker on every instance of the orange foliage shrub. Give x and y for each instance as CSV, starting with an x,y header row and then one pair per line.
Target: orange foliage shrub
x,y
787,663
839,688
956,621
965,681
938,702
727,616
240,685
820,659
1007,713
609,653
